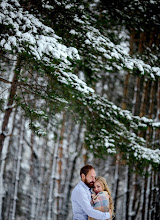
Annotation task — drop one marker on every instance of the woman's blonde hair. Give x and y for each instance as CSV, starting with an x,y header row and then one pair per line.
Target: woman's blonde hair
x,y
106,188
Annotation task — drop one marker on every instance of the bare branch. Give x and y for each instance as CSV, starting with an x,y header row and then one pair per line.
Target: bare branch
x,y
5,81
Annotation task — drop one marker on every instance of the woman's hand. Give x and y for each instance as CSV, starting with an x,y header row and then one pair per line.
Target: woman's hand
x,y
110,212
93,195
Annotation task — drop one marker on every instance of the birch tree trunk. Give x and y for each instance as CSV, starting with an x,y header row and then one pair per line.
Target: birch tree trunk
x,y
157,196
41,188
158,113
126,194
157,182
71,171
148,139
52,178
11,159
126,184
19,158
148,193
152,200
60,158
133,196
133,206
116,183
124,106
135,102
127,176
34,177
70,130
3,162
150,112
143,185
140,214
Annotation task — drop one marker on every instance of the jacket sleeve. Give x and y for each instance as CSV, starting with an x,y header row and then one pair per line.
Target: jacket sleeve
x,y
88,209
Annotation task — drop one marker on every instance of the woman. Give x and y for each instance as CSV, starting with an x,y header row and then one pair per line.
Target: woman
x,y
101,199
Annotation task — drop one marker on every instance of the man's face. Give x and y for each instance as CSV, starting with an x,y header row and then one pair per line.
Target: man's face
x,y
89,179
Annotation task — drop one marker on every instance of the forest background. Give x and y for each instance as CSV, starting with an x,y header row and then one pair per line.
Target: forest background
x,y
79,84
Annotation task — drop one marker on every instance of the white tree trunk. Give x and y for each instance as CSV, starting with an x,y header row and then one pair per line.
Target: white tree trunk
x,y
3,160
116,182
33,201
140,211
52,179
126,192
19,158
41,181
68,188
148,192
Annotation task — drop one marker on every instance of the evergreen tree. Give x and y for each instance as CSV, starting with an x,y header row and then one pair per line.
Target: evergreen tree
x,y
28,39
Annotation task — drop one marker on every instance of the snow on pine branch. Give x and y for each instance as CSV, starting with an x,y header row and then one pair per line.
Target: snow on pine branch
x,y
135,147
28,34
115,126
144,153
107,109
111,51
111,55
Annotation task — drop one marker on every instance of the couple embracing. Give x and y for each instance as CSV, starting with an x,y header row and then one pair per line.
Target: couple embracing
x,y
91,198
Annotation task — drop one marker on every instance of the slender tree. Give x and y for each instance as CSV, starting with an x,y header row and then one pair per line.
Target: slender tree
x,y
19,158
10,103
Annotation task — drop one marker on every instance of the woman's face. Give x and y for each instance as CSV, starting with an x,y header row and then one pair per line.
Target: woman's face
x,y
98,187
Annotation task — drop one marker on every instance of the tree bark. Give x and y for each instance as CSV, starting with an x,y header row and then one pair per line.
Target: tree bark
x,y
19,158
3,165
136,96
124,106
149,133
59,166
34,175
125,91
140,214
8,111
126,194
52,178
144,98
148,139
78,150
148,193
158,113
116,183
157,182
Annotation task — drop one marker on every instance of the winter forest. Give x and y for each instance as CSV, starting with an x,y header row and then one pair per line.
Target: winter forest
x,y
79,84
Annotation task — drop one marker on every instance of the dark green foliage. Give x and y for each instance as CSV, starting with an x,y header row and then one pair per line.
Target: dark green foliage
x,y
137,14
48,84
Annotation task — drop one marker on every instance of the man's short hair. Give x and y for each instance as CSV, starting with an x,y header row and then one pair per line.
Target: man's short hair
x,y
86,169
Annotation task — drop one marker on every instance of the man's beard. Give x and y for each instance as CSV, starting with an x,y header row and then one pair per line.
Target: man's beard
x,y
89,184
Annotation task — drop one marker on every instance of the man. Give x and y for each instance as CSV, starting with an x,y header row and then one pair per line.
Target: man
x,y
81,197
